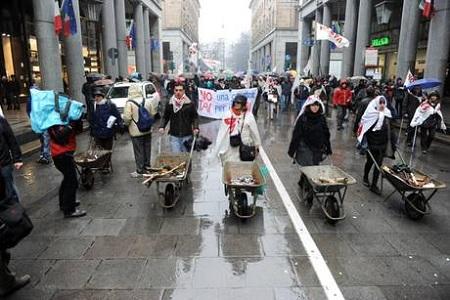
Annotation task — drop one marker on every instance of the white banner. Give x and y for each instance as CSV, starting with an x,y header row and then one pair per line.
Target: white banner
x,y
215,104
326,33
371,57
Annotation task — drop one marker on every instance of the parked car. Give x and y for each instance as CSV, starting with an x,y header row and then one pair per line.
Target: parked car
x,y
118,94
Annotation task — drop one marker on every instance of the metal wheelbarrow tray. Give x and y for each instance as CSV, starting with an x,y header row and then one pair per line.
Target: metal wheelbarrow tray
x,y
328,185
236,192
90,162
416,202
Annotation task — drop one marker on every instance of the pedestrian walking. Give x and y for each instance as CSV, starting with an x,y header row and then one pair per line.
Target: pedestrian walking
x,y
375,128
286,86
9,282
362,106
10,158
63,144
238,130
342,98
183,119
310,141
399,95
428,117
301,93
138,116
412,101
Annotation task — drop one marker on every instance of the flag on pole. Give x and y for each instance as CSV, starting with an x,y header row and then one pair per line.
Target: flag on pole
x,y
326,33
57,20
427,7
130,39
70,21
409,78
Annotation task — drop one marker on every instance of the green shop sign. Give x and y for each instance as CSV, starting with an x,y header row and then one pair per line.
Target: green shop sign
x,y
381,41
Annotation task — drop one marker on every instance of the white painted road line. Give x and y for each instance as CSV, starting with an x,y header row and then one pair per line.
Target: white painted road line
x,y
326,279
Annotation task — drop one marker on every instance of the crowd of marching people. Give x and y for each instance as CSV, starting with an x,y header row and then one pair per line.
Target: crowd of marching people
x,y
372,106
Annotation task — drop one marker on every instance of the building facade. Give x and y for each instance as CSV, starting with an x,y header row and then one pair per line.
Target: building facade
x,y
179,32
402,38
274,35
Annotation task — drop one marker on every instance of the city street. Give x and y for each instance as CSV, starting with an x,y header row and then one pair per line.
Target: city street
x,y
128,247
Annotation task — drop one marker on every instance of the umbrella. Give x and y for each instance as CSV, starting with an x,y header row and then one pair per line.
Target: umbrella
x,y
358,78
425,83
103,82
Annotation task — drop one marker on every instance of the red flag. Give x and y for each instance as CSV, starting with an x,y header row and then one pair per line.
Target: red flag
x,y
57,19
428,9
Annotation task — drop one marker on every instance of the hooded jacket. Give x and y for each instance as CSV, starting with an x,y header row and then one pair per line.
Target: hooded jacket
x,y
131,110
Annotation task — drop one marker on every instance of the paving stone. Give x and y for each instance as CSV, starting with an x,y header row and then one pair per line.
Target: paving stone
x,y
240,245
67,248
332,245
141,226
362,292
80,295
246,293
31,247
282,245
60,227
197,245
167,273
218,272
116,274
411,292
36,268
203,209
306,276
69,274
110,247
153,246
262,273
31,294
440,241
178,226
102,227
153,294
411,244
369,244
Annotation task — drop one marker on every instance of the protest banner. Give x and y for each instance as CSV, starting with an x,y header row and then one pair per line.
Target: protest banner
x,y
215,104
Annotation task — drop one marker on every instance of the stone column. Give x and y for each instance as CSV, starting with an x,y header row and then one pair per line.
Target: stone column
x,y
409,37
140,40
74,58
438,43
350,34
325,47
110,52
316,48
47,43
156,54
121,33
148,53
362,36
303,49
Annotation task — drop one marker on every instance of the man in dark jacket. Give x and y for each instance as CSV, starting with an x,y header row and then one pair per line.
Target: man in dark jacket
x,y
411,102
10,158
399,95
183,118
8,281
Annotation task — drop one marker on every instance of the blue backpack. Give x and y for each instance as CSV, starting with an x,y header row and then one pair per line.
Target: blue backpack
x,y
145,120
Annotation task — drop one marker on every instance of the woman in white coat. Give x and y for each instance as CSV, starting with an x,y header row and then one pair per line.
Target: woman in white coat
x,y
237,127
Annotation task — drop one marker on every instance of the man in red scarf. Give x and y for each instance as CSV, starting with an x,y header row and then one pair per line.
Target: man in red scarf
x,y
183,118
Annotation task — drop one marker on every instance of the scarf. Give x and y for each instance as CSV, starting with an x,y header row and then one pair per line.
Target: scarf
x,y
372,116
99,103
178,103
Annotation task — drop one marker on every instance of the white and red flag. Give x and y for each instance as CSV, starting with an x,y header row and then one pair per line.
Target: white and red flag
x,y
57,19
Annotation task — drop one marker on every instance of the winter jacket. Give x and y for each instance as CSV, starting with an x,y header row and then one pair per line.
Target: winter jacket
x,y
360,109
342,97
301,92
381,139
410,104
311,130
131,115
183,121
9,148
99,120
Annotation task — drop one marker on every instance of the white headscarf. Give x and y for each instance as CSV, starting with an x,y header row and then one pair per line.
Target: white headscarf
x,y
373,116
424,111
311,100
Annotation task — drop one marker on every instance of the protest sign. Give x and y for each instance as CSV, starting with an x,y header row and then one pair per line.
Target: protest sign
x,y
215,104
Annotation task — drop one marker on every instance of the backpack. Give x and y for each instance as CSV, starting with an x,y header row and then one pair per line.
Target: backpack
x,y
145,120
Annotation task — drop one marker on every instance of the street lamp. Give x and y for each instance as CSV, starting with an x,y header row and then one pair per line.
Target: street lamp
x,y
383,12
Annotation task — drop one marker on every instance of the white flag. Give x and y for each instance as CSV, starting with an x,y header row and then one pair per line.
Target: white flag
x,y
325,33
409,78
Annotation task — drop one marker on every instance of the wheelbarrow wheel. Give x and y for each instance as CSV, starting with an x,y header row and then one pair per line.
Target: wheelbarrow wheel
x,y
87,178
418,200
244,209
169,195
332,208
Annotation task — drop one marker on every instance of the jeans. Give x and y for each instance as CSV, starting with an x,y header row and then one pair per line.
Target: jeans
x,y
142,147
300,104
284,102
69,185
10,188
177,143
342,111
45,144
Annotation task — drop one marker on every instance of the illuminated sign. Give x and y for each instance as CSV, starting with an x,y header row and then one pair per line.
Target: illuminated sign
x,y
381,41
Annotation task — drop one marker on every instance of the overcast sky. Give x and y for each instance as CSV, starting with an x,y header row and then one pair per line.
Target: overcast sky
x,y
234,15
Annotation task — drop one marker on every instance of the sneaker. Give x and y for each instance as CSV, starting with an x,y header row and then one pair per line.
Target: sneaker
x,y
43,160
18,284
374,189
76,214
135,175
